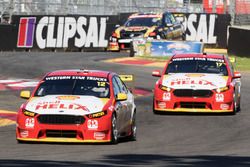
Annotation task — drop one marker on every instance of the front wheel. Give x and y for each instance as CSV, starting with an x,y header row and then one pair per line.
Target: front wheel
x,y
114,131
235,108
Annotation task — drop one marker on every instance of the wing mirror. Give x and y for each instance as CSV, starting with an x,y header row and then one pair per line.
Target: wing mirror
x,y
25,94
156,73
121,97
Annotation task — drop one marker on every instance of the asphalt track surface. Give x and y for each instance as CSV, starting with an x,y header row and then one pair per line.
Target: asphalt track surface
x,y
163,140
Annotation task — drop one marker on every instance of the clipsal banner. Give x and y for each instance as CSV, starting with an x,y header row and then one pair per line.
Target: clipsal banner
x,y
62,32
206,28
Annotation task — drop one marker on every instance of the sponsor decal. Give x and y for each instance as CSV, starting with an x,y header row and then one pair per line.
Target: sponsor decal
x,y
219,97
224,106
99,135
26,32
61,106
166,96
24,133
194,75
162,104
97,115
199,27
199,58
67,97
55,32
76,77
29,122
92,124
189,81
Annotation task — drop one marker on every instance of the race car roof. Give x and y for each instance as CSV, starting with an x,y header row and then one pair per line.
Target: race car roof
x,y
80,72
146,15
201,55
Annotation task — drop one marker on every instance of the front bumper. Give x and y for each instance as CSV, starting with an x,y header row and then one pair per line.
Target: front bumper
x,y
91,131
217,103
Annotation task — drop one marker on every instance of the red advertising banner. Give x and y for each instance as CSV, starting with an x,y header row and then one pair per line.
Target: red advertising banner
x,y
242,7
208,6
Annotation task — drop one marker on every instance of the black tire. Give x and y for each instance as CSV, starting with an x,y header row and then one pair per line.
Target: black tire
x,y
235,108
238,107
114,131
133,134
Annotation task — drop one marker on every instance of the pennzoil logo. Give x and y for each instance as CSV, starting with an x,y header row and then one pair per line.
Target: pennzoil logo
x,y
67,97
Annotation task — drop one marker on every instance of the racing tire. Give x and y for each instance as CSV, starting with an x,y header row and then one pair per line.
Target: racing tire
x,y
238,107
114,131
133,134
235,107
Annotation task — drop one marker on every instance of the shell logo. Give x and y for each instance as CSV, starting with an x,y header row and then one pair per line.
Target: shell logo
x,y
67,97
194,75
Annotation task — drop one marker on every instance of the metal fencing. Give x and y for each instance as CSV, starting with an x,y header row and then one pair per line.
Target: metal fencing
x,y
238,9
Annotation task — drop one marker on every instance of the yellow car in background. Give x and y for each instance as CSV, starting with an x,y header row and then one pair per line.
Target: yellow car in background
x,y
146,25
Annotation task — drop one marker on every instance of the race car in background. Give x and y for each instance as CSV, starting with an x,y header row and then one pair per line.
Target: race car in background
x,y
146,25
197,83
77,106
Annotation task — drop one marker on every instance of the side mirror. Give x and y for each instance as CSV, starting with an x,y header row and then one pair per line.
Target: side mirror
x,y
156,73
237,75
121,97
25,94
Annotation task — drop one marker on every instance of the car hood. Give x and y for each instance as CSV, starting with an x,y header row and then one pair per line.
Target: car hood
x,y
194,81
66,104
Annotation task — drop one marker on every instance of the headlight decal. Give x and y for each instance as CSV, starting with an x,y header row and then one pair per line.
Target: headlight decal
x,y
164,88
97,115
222,89
28,113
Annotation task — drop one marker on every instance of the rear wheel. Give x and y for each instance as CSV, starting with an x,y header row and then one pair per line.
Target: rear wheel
x,y
133,128
114,131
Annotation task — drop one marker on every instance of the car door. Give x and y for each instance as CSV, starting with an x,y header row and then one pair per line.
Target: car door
x,y
126,104
119,106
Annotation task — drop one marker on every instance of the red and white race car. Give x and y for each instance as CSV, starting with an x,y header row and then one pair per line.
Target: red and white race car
x,y
197,83
77,106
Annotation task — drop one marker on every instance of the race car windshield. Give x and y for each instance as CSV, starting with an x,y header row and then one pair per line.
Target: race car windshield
x,y
89,86
148,22
197,66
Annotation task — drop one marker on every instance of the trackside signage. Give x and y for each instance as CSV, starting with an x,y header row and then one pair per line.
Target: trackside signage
x,y
62,32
